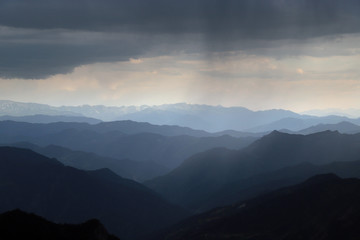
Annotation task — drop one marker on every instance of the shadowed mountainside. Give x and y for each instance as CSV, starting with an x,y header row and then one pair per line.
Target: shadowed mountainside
x,y
323,207
44,186
269,181
194,183
134,170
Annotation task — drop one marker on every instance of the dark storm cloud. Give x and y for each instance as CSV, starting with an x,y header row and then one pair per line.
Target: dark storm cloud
x,y
33,61
223,25
248,18
34,54
39,54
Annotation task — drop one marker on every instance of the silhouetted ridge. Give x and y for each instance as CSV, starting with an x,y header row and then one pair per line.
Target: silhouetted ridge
x,y
323,178
17,224
25,157
275,133
327,133
275,139
342,127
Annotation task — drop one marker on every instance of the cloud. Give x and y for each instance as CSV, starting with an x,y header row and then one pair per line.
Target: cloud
x,y
231,79
136,61
34,54
251,18
40,38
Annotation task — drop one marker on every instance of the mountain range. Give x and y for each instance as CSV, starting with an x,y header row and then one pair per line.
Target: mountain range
x,y
44,186
196,183
342,127
349,112
324,207
222,167
135,170
38,118
298,124
107,139
262,183
202,117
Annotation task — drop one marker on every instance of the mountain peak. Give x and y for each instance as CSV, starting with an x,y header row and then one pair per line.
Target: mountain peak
x,y
275,134
323,178
327,133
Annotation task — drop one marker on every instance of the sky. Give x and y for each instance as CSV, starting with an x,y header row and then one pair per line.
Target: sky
x,y
260,54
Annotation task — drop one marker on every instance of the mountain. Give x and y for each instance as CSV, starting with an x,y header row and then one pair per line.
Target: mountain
x,y
134,170
126,126
269,181
104,140
203,117
132,127
208,118
325,207
342,127
203,175
12,108
49,119
239,134
166,151
17,224
350,112
11,130
44,186
298,124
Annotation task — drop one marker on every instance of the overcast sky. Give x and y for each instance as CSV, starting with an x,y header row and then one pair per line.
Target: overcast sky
x,y
260,54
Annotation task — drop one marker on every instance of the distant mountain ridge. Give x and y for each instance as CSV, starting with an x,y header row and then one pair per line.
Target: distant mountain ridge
x,y
350,112
204,117
124,126
18,109
342,127
120,140
209,118
299,124
38,118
